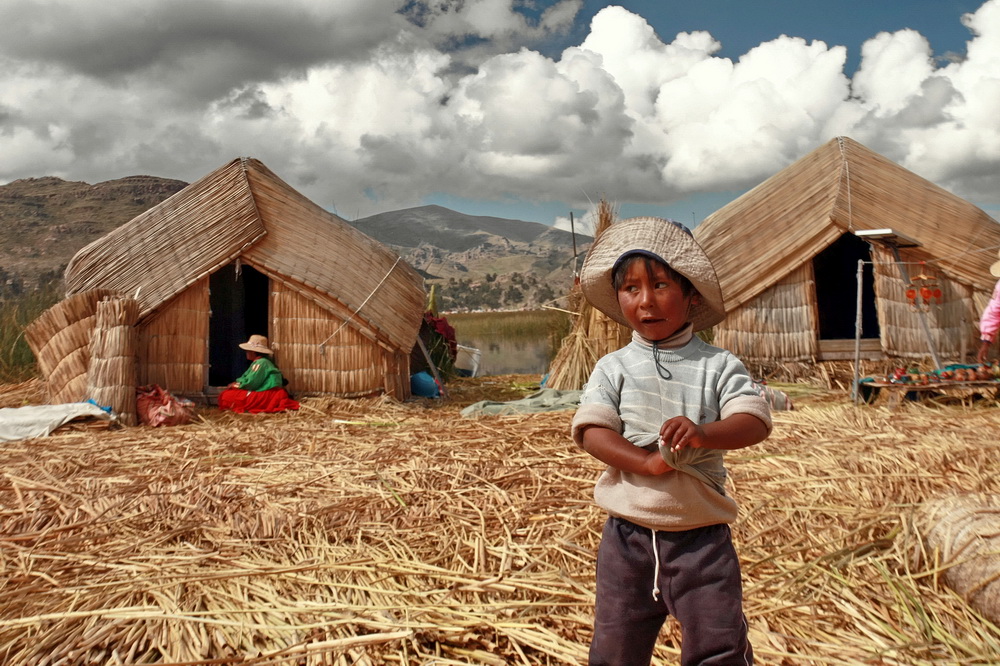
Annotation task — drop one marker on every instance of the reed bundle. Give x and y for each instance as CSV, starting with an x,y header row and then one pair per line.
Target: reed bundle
x,y
111,376
60,341
376,532
592,334
963,536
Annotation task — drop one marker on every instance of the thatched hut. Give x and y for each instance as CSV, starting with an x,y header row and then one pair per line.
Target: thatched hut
x,y
787,254
236,253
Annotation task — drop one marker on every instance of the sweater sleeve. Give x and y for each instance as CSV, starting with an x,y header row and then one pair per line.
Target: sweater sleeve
x,y
254,377
739,396
989,322
598,405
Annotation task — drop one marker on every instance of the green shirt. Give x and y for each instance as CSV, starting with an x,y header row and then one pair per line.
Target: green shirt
x,y
262,375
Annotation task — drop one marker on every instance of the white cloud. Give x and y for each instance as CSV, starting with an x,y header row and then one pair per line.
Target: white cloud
x,y
365,109
893,69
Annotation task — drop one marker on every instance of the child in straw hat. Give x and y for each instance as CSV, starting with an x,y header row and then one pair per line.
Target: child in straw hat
x,y
989,321
261,387
660,412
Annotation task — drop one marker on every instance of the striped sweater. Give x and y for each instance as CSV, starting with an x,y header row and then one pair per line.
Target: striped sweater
x,y
632,393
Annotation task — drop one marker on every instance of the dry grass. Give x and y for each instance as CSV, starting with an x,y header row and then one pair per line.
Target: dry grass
x,y
374,532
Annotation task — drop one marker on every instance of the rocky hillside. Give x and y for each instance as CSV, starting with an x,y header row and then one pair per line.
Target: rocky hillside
x,y
480,261
477,261
44,221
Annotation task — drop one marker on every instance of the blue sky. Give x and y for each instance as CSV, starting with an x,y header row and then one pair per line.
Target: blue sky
x,y
500,107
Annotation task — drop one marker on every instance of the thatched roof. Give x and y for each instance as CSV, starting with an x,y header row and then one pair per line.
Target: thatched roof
x,y
840,187
243,210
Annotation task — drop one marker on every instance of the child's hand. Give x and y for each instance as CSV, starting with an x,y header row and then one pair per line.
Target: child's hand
x,y
656,465
680,431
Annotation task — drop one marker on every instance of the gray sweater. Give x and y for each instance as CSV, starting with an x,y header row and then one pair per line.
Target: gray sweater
x,y
633,394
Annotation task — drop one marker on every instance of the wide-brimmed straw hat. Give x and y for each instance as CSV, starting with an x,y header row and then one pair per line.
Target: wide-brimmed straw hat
x,y
995,268
256,343
663,239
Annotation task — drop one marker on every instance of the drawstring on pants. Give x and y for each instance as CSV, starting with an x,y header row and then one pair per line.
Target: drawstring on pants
x,y
656,569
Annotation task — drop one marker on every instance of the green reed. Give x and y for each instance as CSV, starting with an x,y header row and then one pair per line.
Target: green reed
x,y
17,363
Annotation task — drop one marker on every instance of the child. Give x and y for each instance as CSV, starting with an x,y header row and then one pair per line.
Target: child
x,y
262,387
660,412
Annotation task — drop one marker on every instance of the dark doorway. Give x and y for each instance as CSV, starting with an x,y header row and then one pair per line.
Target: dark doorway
x,y
836,274
238,299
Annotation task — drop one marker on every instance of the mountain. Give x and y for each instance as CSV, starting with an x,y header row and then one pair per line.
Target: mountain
x,y
443,243
478,261
44,221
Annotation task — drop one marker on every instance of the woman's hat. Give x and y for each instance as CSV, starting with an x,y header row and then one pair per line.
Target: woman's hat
x,y
257,343
995,268
666,240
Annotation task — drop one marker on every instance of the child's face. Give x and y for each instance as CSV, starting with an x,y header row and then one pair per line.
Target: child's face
x,y
653,302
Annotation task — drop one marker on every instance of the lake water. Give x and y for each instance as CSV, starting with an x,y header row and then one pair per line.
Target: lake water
x,y
519,342
509,357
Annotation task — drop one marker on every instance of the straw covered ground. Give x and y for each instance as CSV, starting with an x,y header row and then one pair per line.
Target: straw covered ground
x,y
373,532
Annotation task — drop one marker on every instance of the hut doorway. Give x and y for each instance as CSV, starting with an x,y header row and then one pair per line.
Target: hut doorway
x,y
835,271
238,297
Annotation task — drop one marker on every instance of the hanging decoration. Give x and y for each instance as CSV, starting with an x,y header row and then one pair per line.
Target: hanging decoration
x,y
923,291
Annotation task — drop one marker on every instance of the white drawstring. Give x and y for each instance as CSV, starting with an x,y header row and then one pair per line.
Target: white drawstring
x,y
656,569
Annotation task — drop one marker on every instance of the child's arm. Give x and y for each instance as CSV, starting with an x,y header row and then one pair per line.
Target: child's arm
x,y
736,431
611,448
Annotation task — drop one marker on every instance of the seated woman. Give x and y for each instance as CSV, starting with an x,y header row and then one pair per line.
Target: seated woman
x,y
261,387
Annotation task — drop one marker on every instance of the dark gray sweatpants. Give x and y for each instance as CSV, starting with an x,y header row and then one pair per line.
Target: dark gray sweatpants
x,y
699,584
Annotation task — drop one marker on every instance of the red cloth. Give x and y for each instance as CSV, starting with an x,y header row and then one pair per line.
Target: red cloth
x,y
157,407
256,402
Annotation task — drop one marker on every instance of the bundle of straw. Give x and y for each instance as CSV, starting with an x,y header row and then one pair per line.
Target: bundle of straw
x,y
60,340
593,334
111,375
963,534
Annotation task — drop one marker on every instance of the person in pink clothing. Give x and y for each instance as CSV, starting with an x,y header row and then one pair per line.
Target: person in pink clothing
x,y
989,321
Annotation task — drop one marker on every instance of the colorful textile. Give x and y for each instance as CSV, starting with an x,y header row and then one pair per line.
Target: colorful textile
x,y
257,402
262,375
157,407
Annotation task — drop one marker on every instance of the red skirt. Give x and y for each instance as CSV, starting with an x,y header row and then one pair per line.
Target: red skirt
x,y
256,402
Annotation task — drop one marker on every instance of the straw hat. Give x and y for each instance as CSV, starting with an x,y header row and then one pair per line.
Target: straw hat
x,y
662,239
995,268
256,343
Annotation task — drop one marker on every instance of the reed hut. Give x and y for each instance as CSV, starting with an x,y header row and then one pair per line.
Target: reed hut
x,y
236,253
787,254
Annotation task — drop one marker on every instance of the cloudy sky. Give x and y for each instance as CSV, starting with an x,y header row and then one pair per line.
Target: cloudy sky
x,y
525,109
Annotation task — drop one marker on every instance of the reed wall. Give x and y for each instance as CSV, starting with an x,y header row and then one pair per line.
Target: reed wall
x,y
950,322
780,324
173,342
320,351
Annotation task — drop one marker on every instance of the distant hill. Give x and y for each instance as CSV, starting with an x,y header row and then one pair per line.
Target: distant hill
x,y
44,221
443,243
478,261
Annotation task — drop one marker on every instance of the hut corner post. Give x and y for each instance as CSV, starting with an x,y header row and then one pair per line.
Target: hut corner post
x,y
857,334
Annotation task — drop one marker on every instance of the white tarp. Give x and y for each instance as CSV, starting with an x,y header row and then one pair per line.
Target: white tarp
x,y
40,420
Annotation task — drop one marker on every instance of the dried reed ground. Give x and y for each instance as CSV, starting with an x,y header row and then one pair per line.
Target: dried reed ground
x,y
371,532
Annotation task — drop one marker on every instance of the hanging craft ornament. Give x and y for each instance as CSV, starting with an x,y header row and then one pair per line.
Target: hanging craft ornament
x,y
923,290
